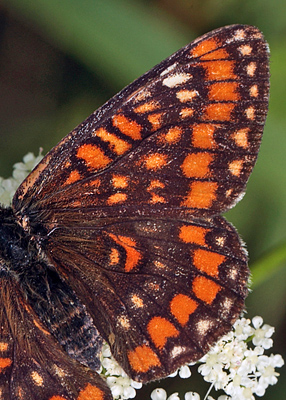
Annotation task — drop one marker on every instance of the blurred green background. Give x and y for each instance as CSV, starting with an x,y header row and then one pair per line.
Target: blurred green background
x,y
60,60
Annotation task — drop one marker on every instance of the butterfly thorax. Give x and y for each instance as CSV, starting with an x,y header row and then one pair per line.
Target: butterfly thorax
x,y
51,298
14,245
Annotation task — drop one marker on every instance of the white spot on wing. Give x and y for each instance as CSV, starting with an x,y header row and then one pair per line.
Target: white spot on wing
x,y
186,95
203,326
250,112
124,322
37,378
176,79
226,307
177,350
220,240
251,68
237,36
245,50
232,273
253,91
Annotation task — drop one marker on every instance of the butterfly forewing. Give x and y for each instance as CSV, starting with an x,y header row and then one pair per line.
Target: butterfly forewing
x,y
125,209
191,127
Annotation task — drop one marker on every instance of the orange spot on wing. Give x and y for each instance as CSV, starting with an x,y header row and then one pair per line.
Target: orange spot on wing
x,y
157,199
114,256
117,145
93,156
91,392
202,136
173,135
207,261
196,165
193,234
160,329
205,289
223,91
186,112
73,177
119,181
204,47
155,161
182,307
117,198
201,195
219,70
133,256
127,126
154,184
155,120
219,111
219,54
147,107
4,363
143,358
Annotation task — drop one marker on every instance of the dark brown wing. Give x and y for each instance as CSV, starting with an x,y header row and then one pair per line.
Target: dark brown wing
x,y
32,365
161,292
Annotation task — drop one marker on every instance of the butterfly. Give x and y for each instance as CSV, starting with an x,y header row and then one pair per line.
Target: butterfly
x,y
117,234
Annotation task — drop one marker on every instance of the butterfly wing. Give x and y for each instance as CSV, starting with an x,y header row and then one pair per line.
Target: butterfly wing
x,y
184,135
125,205
32,365
163,291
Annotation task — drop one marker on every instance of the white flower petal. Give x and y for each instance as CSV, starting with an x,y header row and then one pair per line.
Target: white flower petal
x,y
257,322
184,372
192,396
129,393
174,396
159,394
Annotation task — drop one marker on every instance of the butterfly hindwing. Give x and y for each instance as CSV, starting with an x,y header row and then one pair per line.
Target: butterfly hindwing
x,y
160,285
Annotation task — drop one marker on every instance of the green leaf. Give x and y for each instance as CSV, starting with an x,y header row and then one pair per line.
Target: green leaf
x,y
118,39
268,265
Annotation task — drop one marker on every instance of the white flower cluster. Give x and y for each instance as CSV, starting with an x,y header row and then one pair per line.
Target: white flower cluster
x,y
20,171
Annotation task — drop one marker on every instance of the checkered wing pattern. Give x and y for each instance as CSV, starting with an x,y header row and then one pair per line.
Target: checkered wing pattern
x,y
127,206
